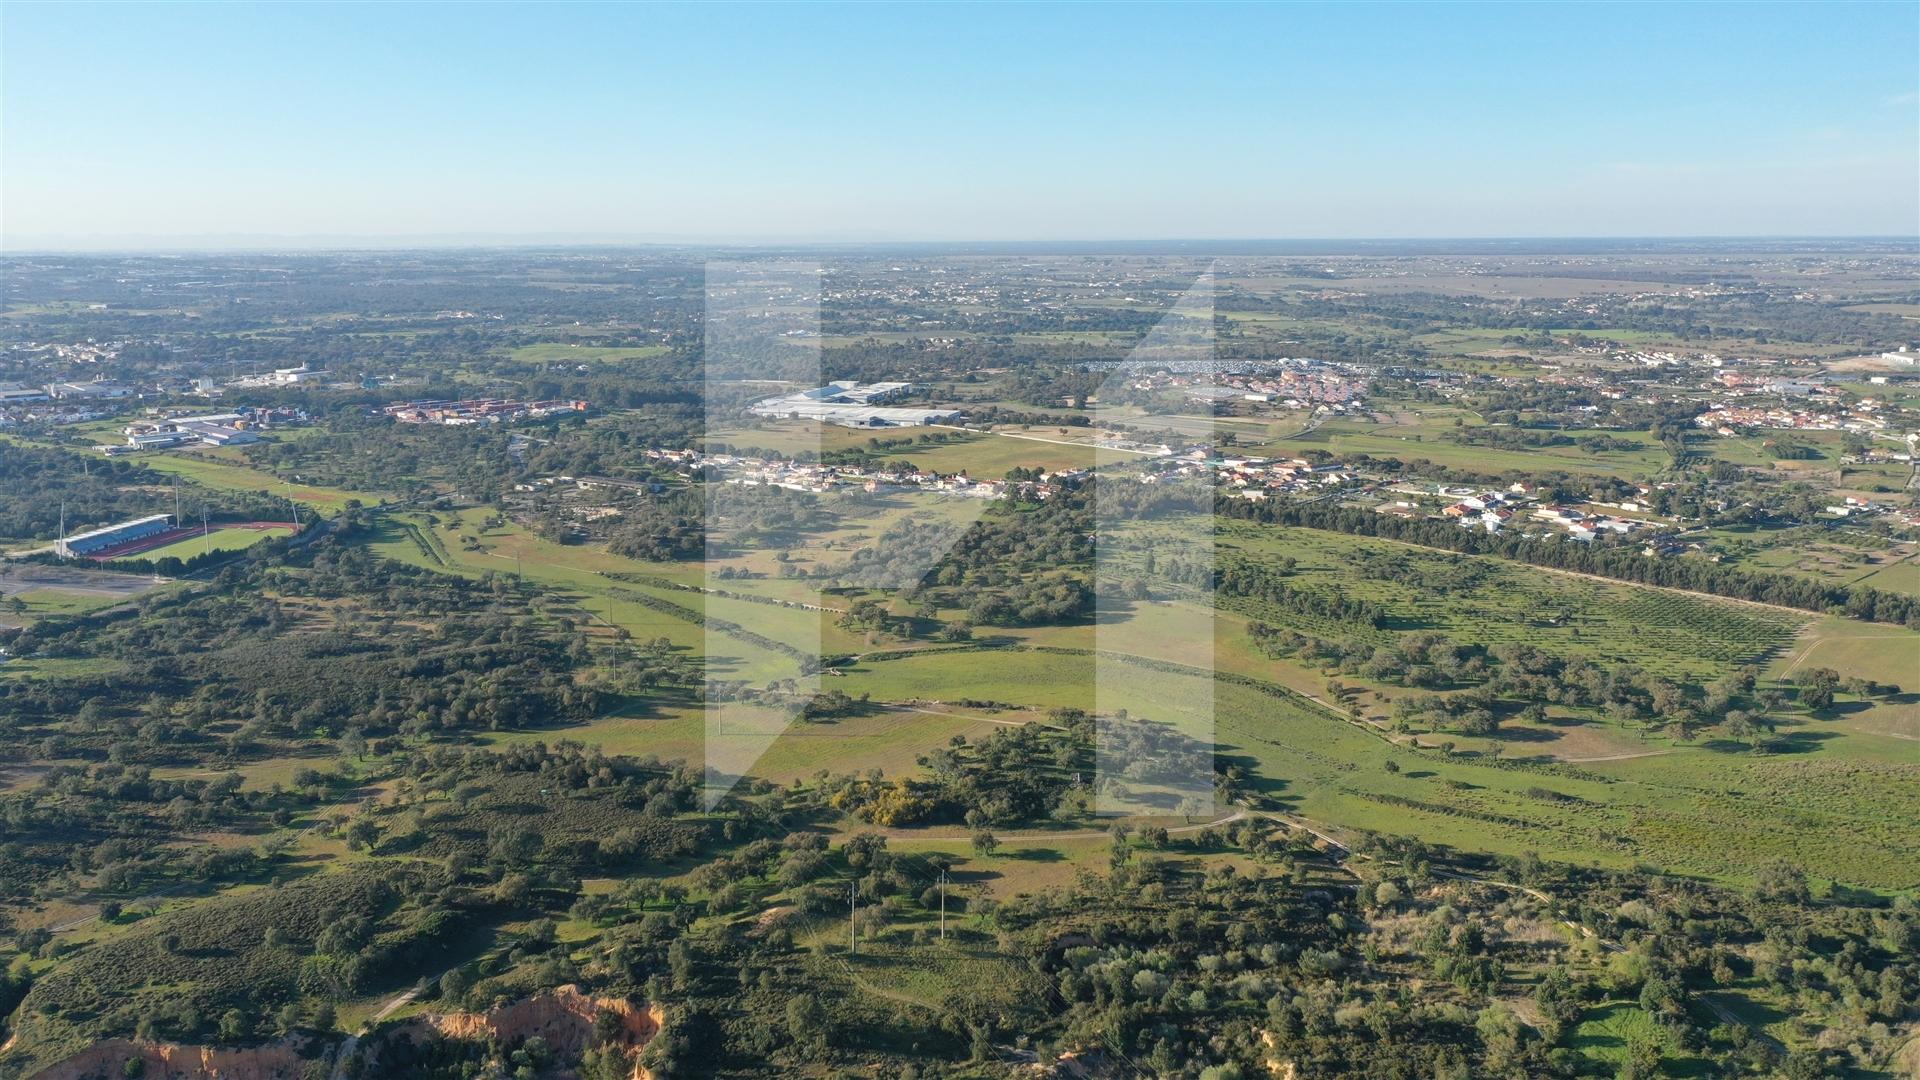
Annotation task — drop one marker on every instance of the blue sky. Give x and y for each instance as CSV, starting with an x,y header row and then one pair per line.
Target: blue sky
x,y
938,122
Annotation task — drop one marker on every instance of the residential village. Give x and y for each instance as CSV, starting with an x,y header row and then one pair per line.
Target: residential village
x,y
1292,383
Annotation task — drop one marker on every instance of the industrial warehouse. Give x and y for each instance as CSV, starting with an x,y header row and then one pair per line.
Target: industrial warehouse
x,y
212,429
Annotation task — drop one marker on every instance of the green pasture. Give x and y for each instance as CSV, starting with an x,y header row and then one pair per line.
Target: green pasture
x,y
1344,438
1902,576
1714,811
226,476
1835,799
1661,630
42,602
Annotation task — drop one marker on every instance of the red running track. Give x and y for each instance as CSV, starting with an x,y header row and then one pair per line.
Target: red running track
x,y
148,543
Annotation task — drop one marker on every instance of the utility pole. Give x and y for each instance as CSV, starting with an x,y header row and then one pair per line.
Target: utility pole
x,y
853,899
943,905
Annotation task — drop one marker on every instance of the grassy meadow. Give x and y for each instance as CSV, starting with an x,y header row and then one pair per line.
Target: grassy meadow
x,y
1834,802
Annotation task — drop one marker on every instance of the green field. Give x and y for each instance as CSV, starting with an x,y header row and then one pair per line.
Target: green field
x,y
217,540
1676,809
227,476
24,607
1426,440
221,469
1607,1032
1902,576
1835,800
1497,601
1703,811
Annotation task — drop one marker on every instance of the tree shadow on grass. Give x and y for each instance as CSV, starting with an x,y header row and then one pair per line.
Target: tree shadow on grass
x,y
1033,854
1799,742
1253,778
1528,735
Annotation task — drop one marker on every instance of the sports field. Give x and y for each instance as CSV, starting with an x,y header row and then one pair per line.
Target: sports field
x,y
218,538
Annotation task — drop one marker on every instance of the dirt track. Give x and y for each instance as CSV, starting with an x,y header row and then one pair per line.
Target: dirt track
x,y
27,577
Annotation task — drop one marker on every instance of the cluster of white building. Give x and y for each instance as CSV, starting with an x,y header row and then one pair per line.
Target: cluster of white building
x,y
1727,420
288,376
810,477
1259,478
209,429
481,411
1518,507
852,404
1300,385
92,390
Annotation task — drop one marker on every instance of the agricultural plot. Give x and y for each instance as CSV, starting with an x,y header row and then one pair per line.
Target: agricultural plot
x,y
423,540
1869,650
988,457
1485,601
1833,555
1888,728
1345,438
930,981
1895,576
1715,815
764,634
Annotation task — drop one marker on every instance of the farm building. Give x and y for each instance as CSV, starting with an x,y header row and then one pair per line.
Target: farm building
x,y
89,542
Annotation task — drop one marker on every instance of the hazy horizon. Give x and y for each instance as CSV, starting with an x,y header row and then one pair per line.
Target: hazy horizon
x,y
1145,245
